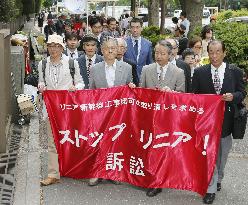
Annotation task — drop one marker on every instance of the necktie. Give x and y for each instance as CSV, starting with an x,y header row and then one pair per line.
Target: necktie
x,y
89,67
136,47
216,82
72,54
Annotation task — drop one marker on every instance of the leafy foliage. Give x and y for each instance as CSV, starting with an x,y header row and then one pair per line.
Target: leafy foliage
x,y
28,6
37,6
152,33
47,3
234,35
8,10
230,13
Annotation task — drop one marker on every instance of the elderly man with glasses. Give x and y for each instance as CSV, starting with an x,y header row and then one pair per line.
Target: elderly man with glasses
x,y
55,74
180,63
109,73
122,48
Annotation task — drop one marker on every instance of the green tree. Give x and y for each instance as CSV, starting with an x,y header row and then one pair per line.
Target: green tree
x,y
19,7
37,6
47,3
7,10
28,6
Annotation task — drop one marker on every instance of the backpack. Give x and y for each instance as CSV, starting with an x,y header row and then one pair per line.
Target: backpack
x,y
71,67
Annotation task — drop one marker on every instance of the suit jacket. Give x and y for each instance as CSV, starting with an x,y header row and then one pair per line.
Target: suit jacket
x,y
145,57
83,68
233,82
123,75
134,71
174,78
187,72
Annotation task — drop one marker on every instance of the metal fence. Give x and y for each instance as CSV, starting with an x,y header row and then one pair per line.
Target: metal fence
x,y
13,25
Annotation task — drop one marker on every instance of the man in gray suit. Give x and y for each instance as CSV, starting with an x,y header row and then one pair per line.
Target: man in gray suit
x,y
87,61
162,75
109,73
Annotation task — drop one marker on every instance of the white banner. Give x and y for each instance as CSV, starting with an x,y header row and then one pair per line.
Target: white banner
x,y
76,6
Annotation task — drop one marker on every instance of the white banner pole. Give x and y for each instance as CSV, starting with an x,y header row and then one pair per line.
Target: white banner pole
x,y
87,15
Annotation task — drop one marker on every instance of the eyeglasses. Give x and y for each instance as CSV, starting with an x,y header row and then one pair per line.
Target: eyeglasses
x,y
54,46
121,47
190,58
97,27
110,48
160,53
198,47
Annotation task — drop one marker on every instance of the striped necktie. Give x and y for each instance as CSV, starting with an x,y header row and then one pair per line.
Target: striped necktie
x,y
216,82
89,67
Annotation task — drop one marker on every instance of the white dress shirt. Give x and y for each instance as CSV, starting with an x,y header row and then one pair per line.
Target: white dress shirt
x,y
75,53
159,72
110,74
221,72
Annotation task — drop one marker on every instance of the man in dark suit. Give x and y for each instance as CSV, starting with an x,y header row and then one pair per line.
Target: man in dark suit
x,y
139,50
95,23
122,48
87,61
180,64
72,43
223,79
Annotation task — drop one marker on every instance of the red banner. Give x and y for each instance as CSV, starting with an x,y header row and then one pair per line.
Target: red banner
x,y
144,137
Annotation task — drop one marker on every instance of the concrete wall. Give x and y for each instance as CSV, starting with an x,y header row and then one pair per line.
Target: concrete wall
x,y
17,64
5,87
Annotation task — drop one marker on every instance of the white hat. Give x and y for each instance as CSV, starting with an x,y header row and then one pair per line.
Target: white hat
x,y
56,39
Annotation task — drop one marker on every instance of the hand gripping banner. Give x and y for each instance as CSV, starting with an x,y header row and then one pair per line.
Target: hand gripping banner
x,y
144,137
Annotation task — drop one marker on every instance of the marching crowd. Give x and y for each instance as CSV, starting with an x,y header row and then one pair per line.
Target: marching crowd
x,y
104,54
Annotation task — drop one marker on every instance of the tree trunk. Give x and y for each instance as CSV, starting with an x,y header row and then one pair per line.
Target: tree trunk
x,y
193,10
183,4
153,12
133,2
163,4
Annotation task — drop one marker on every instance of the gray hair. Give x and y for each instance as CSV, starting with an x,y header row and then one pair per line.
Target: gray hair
x,y
166,44
121,40
108,39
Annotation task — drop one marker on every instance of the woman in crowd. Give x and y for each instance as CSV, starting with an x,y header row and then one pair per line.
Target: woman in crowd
x,y
207,36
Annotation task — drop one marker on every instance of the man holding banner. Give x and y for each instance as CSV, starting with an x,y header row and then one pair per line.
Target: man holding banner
x,y
223,79
109,73
55,74
164,76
